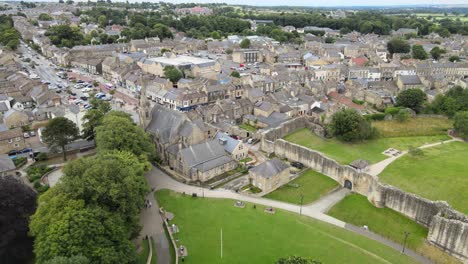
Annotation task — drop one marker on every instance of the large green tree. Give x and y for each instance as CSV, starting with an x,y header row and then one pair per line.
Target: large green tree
x,y
172,73
118,131
94,116
59,132
418,52
112,180
437,52
411,98
349,125
398,45
67,227
245,43
461,124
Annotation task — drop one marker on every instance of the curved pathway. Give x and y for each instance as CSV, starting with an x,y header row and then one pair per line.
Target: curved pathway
x,y
161,180
377,168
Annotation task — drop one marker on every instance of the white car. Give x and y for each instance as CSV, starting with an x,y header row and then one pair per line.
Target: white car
x,y
78,101
86,89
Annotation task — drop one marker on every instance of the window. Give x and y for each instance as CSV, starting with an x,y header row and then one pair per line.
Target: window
x,y
16,145
10,140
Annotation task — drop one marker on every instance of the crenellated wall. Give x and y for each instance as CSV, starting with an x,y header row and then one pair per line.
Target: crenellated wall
x,y
448,228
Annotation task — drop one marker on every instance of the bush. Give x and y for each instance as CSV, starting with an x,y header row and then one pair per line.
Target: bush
x,y
403,115
41,156
376,117
392,110
20,161
349,125
359,102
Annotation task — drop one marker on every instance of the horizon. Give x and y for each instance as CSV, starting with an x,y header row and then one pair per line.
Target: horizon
x,y
305,3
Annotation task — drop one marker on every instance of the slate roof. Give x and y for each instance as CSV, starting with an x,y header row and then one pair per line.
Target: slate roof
x,y
410,79
230,143
165,122
6,164
269,168
205,156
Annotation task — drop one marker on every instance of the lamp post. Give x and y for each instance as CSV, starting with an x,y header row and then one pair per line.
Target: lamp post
x,y
302,200
404,242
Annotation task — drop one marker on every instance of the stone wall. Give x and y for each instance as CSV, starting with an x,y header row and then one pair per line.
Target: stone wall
x,y
450,233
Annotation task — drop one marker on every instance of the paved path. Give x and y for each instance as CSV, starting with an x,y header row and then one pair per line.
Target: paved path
x,y
314,210
152,224
377,168
327,202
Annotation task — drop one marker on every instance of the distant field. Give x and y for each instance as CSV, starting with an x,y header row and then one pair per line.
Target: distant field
x,y
370,150
442,16
427,126
252,236
440,174
311,184
357,210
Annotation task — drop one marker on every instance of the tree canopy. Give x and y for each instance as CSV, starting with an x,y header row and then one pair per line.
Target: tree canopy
x,y
44,17
418,52
437,52
411,98
17,203
65,36
118,131
398,45
349,125
245,43
9,36
172,73
94,116
59,132
461,124
455,100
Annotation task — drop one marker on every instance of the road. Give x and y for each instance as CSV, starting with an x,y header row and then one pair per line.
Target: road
x,y
160,180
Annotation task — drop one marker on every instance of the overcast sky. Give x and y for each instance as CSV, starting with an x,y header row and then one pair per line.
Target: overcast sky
x,y
327,2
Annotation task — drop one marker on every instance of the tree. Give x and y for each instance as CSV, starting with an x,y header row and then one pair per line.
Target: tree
x,y
235,74
118,132
162,31
172,73
44,17
349,125
398,45
461,124
436,52
113,181
411,98
102,20
418,52
454,58
330,40
17,203
245,43
79,259
59,132
66,227
215,35
94,116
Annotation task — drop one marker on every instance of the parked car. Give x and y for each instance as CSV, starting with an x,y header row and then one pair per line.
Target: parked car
x,y
32,133
26,135
84,98
297,164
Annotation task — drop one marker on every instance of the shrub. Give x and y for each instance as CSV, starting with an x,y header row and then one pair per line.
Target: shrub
x,y
20,161
392,110
403,115
376,117
416,152
41,156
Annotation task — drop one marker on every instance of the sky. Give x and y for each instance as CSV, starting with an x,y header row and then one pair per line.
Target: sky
x,y
328,2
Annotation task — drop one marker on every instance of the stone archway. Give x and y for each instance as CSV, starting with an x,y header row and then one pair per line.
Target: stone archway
x,y
348,184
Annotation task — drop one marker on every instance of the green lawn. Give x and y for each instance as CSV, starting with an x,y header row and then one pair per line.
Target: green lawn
x,y
427,126
253,236
248,127
440,174
370,150
143,255
357,210
312,185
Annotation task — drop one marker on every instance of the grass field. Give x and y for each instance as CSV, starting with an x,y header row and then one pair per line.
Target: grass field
x,y
427,126
357,210
370,150
253,236
440,174
311,184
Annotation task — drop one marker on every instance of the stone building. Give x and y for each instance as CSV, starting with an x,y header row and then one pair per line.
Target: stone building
x,y
269,175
